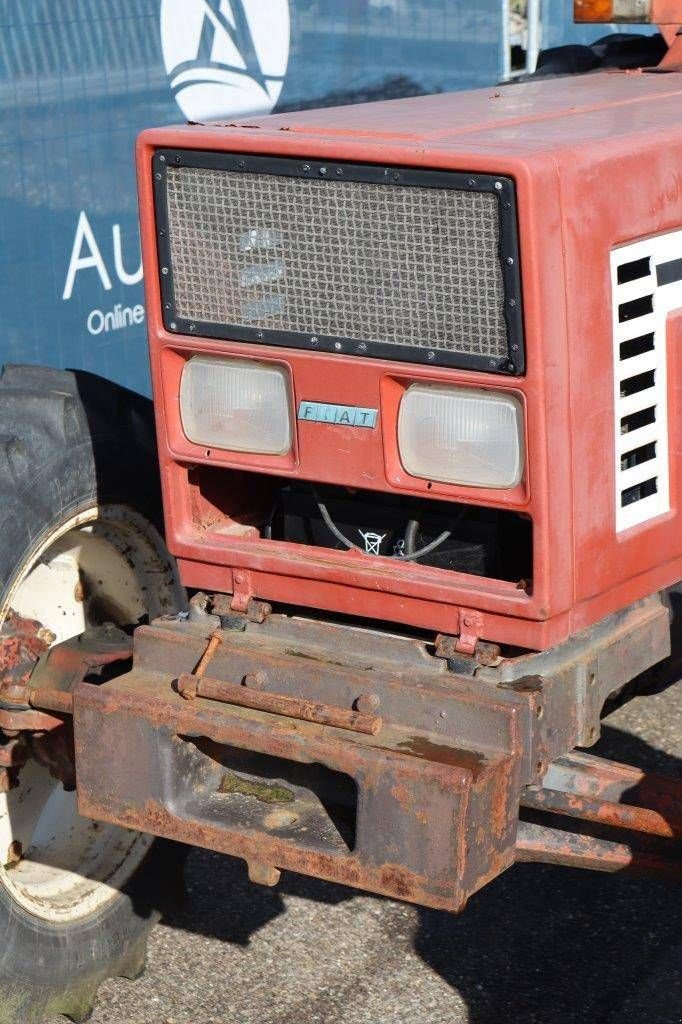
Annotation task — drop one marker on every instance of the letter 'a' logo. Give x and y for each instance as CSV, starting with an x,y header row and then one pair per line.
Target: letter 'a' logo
x,y
225,58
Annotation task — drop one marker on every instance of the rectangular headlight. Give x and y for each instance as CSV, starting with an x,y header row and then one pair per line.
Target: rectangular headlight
x,y
461,436
240,406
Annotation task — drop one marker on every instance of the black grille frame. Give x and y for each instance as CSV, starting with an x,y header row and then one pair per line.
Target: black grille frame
x,y
503,188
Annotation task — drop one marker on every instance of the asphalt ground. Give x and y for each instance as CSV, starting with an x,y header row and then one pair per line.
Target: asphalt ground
x,y
540,944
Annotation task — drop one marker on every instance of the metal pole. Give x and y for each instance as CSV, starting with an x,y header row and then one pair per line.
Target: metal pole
x,y
506,41
534,17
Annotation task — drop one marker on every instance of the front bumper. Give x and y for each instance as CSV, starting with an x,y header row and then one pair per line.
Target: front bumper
x,y
424,810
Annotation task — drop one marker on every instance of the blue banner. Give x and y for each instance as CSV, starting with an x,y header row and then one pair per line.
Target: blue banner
x,y
80,78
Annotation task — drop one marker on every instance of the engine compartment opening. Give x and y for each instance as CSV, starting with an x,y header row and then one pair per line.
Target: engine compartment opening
x,y
485,542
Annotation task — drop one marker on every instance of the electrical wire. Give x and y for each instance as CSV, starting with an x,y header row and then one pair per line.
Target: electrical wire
x,y
410,534
331,525
414,555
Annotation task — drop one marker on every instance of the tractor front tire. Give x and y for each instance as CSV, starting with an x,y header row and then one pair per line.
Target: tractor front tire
x,y
79,547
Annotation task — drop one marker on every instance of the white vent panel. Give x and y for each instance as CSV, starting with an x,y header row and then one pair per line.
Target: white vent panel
x,y
646,280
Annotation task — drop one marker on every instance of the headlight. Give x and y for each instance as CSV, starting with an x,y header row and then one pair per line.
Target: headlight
x,y
461,436
238,406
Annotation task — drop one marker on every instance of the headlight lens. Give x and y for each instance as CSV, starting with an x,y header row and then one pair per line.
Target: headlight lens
x,y
239,406
461,436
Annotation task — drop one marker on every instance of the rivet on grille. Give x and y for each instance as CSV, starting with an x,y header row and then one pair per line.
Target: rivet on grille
x,y
157,176
306,167
164,270
178,159
162,159
241,165
314,340
512,302
472,182
259,335
173,326
510,261
499,186
339,171
323,171
338,346
362,347
396,177
192,327
431,356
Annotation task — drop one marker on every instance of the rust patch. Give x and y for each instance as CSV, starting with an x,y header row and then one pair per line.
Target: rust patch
x,y
470,760
397,880
402,795
527,684
280,818
14,855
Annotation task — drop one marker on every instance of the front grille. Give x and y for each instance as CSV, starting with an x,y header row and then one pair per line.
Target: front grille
x,y
411,265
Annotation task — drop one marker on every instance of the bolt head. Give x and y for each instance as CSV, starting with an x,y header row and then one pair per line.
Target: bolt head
x,y
254,680
367,703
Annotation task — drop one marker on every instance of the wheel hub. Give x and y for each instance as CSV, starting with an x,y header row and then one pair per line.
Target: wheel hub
x,y
101,573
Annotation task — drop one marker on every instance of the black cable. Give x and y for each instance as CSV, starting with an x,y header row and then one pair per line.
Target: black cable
x,y
411,539
267,530
429,547
331,525
410,534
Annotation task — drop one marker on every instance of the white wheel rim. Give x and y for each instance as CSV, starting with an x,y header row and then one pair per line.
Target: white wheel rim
x,y
106,563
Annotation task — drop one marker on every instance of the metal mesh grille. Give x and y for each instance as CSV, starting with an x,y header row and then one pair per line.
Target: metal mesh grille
x,y
378,263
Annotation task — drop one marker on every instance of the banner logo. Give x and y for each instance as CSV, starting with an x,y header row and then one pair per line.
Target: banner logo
x,y
225,58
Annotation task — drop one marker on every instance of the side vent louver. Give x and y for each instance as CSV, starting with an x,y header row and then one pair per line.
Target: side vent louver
x,y
647,285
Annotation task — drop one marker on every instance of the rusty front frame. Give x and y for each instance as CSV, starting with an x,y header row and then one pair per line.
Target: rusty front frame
x,y
404,836
423,806
395,804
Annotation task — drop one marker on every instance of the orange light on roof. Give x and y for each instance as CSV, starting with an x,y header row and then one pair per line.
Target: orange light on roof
x,y
612,10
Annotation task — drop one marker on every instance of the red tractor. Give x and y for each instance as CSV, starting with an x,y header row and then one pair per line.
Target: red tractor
x,y
416,372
